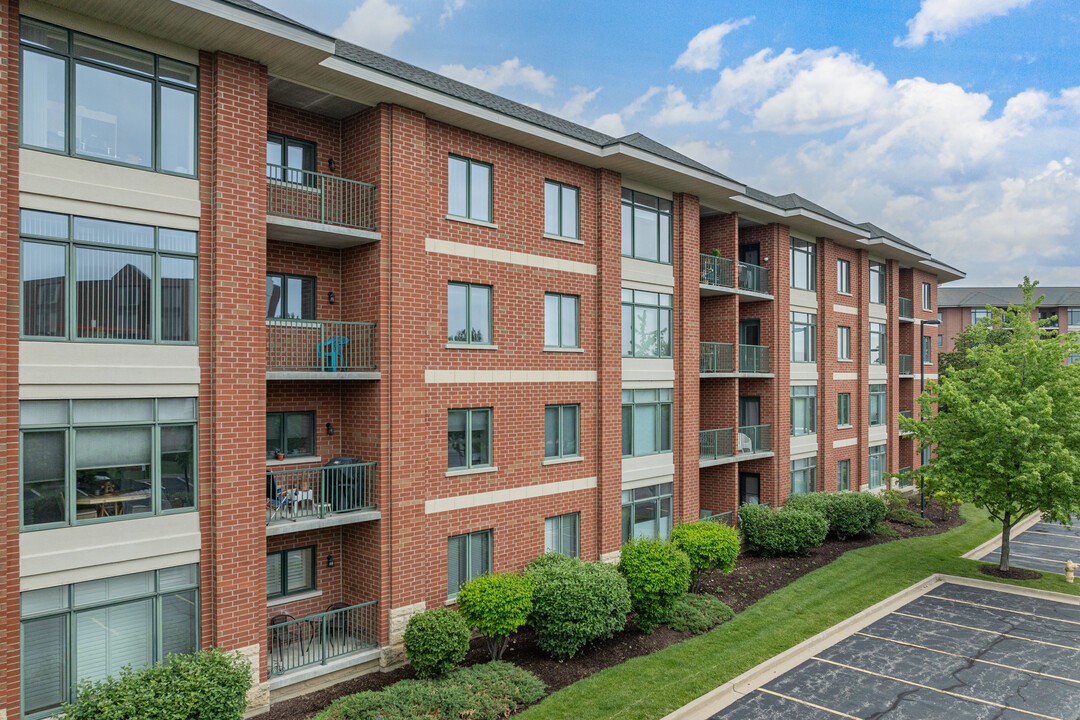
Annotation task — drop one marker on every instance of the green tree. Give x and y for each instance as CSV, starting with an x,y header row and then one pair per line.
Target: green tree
x,y
966,340
496,606
1008,435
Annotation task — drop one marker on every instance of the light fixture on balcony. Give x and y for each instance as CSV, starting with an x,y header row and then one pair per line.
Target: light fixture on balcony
x,y
329,561
330,163
330,297
329,428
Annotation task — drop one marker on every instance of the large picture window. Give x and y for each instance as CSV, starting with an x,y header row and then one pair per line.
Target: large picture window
x,y
467,558
289,572
877,344
803,337
877,282
97,280
468,438
85,461
468,314
88,97
803,410
468,189
877,405
804,476
646,226
646,421
90,630
646,324
290,433
803,265
646,512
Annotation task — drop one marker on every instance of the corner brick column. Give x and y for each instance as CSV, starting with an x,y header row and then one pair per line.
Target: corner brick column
x,y
685,350
776,401
860,351
892,360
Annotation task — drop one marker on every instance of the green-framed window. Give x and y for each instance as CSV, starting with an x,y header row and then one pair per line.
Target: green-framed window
x,y
646,324
843,410
646,421
561,431
561,319
803,337
646,512
468,189
804,475
927,352
290,297
803,410
1073,315
843,342
562,534
468,314
877,467
291,433
877,343
84,279
843,276
87,461
86,631
100,100
290,159
978,314
560,209
289,572
646,226
843,475
877,405
468,438
877,282
468,556
926,296
803,264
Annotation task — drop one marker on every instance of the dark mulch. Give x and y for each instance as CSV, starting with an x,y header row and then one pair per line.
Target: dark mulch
x,y
753,578
1010,574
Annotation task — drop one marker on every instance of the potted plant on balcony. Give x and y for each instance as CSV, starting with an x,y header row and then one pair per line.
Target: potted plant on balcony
x,y
278,455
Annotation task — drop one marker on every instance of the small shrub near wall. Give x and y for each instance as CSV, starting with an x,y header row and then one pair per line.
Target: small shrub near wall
x,y
435,641
658,574
709,546
771,532
496,606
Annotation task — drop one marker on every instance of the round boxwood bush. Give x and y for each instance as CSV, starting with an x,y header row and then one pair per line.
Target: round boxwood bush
x,y
822,503
875,507
771,532
436,640
496,606
575,602
658,574
709,546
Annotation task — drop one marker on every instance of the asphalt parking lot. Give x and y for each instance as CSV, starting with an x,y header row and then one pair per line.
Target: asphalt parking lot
x,y
1045,547
954,652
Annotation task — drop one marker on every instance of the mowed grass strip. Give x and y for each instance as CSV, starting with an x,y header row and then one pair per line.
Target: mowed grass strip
x,y
654,685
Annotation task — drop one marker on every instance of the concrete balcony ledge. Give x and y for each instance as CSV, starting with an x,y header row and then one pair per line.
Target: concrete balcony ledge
x,y
713,462
284,527
305,674
744,295
705,376
308,232
322,375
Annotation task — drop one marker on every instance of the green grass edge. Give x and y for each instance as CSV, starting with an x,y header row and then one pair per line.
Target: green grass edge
x,y
654,685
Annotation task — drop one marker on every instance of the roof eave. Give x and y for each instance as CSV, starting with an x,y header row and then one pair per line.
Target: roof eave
x,y
805,221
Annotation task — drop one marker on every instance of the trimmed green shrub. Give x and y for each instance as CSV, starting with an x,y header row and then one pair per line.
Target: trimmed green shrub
x,y
482,692
436,640
850,515
496,606
820,502
876,508
894,499
781,532
206,685
909,517
658,574
709,546
575,602
698,613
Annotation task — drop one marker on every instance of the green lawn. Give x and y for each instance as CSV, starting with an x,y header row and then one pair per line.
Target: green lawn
x,y
654,685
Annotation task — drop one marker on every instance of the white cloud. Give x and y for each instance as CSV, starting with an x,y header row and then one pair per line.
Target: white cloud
x,y
703,50
942,18
376,24
712,154
572,109
614,123
507,74
449,8
1071,98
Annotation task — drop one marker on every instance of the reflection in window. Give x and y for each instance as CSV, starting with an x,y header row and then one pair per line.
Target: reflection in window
x,y
468,438
290,297
290,433
646,324
468,314
646,421
646,226
646,512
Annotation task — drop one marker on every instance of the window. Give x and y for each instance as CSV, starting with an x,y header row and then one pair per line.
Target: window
x,y
940,340
88,97
646,226
804,476
289,572
561,534
468,438
926,296
290,297
86,279
843,276
877,282
843,343
843,410
289,159
1074,317
85,461
646,422
803,410
979,314
877,344
843,475
646,324
877,405
803,337
468,557
560,209
560,320
561,431
877,467
927,354
803,266
468,314
646,512
469,189
91,629
291,433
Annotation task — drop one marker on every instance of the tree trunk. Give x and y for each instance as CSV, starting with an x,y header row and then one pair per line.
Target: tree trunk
x,y
1006,531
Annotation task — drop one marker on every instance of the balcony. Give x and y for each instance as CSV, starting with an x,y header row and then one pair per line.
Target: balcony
x,y
905,366
724,518
310,498
754,360
320,350
906,414
906,312
318,639
316,209
716,447
754,440
717,358
719,276
753,278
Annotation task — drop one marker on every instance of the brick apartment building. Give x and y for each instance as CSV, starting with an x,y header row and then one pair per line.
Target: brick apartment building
x,y
221,225
961,307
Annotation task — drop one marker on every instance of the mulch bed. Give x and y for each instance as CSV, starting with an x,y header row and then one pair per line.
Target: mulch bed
x,y
753,578
1010,574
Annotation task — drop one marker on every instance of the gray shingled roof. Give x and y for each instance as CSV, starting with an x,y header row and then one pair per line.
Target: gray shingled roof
x,y
791,201
649,145
875,231
978,297
261,10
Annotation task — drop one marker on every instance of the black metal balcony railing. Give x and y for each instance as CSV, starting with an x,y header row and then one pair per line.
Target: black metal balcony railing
x,y
754,358
717,357
905,308
320,345
717,271
716,444
905,364
326,199
754,439
754,278
906,414
320,491
316,639
726,518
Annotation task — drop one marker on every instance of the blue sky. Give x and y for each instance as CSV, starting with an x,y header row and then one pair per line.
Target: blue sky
x,y
952,123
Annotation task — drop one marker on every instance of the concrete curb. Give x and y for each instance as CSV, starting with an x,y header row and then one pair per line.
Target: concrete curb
x,y
995,542
1012,589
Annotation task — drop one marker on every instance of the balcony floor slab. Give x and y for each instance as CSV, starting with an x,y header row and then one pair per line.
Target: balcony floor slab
x,y
314,671
307,232
283,527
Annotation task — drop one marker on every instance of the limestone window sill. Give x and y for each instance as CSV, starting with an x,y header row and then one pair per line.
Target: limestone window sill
x,y
562,461
470,221
563,238
472,471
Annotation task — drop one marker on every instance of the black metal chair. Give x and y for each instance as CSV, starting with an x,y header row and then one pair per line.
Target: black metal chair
x,y
337,626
